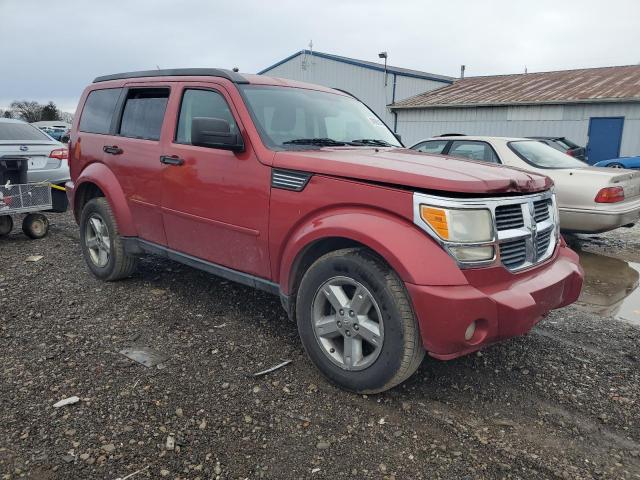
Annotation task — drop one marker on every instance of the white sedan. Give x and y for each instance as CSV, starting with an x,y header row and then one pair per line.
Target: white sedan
x,y
590,199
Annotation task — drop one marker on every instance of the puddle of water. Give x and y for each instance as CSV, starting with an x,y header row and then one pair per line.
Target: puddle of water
x,y
610,287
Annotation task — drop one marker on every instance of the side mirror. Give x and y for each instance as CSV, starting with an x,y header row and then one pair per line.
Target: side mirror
x,y
215,133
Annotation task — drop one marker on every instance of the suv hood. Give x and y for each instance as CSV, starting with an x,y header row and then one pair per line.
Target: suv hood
x,y
404,167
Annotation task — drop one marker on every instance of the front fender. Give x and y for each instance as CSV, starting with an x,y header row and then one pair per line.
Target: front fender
x,y
100,175
414,256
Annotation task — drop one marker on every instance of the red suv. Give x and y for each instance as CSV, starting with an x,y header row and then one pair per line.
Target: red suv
x,y
380,253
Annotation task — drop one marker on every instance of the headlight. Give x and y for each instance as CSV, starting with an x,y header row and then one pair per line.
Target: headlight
x,y
459,225
462,226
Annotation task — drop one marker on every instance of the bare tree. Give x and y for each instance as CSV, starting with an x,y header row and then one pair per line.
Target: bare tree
x,y
27,110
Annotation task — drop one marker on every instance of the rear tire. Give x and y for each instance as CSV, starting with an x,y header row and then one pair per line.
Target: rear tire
x,y
373,343
102,246
6,225
35,226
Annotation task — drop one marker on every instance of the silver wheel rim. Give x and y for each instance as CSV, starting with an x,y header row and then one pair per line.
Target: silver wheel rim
x,y
347,323
97,240
616,165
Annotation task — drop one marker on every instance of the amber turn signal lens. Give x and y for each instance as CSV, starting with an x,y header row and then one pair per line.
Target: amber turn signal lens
x,y
437,219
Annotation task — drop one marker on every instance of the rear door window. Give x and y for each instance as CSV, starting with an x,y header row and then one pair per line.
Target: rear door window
x,y
472,150
98,110
432,146
201,103
143,113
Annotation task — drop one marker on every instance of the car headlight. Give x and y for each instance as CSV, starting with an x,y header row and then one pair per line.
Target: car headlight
x,y
464,226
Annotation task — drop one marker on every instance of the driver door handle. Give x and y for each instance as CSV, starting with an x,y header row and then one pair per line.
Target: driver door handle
x,y
171,160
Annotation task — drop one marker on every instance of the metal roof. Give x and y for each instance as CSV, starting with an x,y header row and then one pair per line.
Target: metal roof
x,y
588,85
365,64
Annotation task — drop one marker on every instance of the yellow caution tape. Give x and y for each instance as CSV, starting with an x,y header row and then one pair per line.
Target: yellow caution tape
x,y
57,187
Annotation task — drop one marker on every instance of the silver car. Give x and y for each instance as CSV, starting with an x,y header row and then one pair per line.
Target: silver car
x,y
47,158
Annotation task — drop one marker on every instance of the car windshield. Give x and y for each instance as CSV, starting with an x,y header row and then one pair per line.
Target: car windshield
x,y
299,118
20,132
543,156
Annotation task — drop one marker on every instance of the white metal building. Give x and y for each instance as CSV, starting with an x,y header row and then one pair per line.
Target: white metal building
x,y
596,107
368,81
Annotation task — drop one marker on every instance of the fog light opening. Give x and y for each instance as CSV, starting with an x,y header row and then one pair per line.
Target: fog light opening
x,y
470,331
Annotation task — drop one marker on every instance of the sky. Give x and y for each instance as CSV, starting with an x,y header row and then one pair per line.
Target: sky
x,y
50,50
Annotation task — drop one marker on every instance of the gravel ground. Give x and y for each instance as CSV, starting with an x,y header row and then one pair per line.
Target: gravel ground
x,y
561,402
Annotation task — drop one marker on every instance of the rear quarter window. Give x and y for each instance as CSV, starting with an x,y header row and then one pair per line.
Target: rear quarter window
x,y
98,110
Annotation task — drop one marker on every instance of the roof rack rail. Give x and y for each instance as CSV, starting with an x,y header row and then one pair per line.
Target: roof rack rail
x,y
177,72
452,135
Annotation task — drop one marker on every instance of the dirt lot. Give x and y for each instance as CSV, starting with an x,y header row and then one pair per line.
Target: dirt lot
x,y
561,402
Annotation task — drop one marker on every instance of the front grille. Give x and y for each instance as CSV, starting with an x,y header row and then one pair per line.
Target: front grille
x,y
509,216
543,239
541,210
526,232
513,253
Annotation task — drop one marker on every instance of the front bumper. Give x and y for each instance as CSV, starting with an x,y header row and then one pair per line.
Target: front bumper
x,y
502,304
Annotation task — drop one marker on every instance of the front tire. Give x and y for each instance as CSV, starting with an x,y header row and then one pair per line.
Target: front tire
x,y
615,165
356,322
102,246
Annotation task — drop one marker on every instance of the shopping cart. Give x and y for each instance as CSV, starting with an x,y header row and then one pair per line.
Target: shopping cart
x,y
20,198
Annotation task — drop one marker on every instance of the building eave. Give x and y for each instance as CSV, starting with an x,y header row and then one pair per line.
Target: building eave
x,y
516,104
353,61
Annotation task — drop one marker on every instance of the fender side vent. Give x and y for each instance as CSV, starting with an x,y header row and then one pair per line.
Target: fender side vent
x,y
289,179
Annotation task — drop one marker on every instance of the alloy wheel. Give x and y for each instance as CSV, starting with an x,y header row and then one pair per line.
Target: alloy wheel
x,y
347,323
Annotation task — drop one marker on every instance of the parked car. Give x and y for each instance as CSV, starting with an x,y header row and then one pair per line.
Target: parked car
x,y
590,199
630,163
565,146
378,252
47,158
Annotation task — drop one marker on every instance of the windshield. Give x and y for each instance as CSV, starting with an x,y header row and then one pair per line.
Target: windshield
x,y
543,156
20,132
293,117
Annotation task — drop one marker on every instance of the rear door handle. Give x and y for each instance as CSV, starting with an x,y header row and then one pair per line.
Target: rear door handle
x,y
112,149
171,160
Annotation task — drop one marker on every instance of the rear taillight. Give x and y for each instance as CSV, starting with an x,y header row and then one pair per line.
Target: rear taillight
x,y
610,195
59,153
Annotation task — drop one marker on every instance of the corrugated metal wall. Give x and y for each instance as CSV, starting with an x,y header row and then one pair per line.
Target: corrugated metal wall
x,y
571,121
364,83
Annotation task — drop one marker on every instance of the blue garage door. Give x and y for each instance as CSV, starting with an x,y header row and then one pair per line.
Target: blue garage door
x,y
605,136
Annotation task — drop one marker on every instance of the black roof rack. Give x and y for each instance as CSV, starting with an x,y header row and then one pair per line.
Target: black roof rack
x,y
177,72
452,135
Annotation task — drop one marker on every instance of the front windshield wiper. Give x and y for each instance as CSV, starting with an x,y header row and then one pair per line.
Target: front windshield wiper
x,y
372,141
324,142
